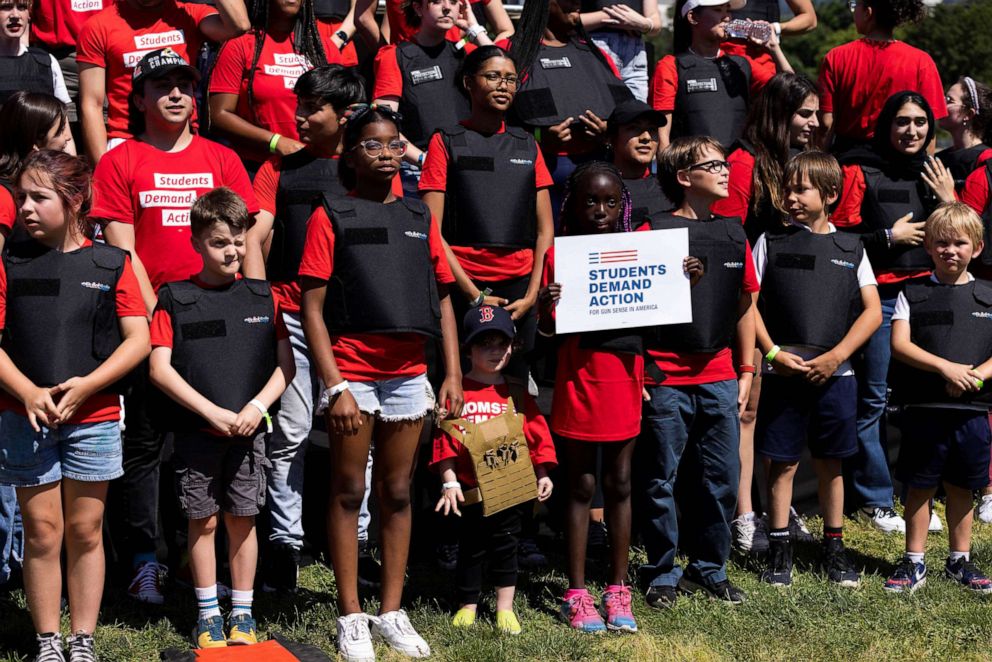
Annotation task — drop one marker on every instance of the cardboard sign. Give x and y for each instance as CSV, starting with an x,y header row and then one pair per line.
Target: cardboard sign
x,y
622,280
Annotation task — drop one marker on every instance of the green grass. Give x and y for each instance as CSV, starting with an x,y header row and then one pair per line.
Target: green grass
x,y
812,620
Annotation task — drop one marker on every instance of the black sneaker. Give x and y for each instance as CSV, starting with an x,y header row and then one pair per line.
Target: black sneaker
x,y
661,597
446,555
838,565
779,570
282,570
369,570
724,590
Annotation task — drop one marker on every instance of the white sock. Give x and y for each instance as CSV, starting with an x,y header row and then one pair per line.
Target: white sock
x,y
241,602
206,601
749,517
915,557
960,555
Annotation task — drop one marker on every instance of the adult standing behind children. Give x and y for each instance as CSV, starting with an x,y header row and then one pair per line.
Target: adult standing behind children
x,y
618,29
73,325
142,194
856,78
24,67
113,42
252,101
803,20
969,121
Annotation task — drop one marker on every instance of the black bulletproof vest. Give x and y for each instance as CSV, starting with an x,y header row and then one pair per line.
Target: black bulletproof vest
x,y
953,322
383,280
430,98
566,82
61,309
986,260
801,263
646,198
31,72
304,180
223,343
720,245
712,97
336,9
961,162
596,5
887,200
491,194
759,10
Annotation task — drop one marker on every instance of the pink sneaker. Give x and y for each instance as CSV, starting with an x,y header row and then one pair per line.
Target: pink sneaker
x,y
578,608
616,609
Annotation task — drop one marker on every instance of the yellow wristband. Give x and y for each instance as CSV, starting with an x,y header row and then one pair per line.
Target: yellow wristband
x,y
772,353
273,141
980,383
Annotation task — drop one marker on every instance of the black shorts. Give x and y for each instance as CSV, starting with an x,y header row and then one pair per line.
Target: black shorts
x,y
793,413
944,445
219,473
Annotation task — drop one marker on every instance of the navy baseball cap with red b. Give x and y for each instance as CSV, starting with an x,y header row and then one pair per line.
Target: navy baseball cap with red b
x,y
487,318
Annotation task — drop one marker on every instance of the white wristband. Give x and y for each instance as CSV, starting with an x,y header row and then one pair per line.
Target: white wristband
x,y
777,27
265,414
451,485
473,32
330,392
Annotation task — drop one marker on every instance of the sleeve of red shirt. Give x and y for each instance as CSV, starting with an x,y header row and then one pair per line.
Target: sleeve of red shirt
x,y
318,249
609,61
751,284
739,199
111,189
129,301
542,178
388,79
236,178
91,46
282,332
825,83
230,66
442,272
446,447
848,210
666,84
161,328
539,442
435,173
976,191
931,88
8,209
198,12
265,186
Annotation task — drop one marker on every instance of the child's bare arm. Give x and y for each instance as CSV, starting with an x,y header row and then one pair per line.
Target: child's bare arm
x,y
164,376
450,496
785,363
250,416
744,346
37,400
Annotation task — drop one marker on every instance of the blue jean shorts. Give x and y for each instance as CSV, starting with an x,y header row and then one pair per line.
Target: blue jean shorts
x,y
87,452
399,399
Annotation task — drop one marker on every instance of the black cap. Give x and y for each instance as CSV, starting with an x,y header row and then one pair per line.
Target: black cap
x,y
487,318
160,62
631,110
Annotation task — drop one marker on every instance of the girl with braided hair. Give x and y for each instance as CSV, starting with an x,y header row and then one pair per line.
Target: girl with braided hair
x,y
595,368
969,121
252,103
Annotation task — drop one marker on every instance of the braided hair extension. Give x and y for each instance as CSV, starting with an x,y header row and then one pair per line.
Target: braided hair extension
x,y
306,39
586,170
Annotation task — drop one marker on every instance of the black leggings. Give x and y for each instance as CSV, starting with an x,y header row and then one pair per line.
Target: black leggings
x,y
491,539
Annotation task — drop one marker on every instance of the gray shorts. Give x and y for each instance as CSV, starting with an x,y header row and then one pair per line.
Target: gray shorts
x,y
216,473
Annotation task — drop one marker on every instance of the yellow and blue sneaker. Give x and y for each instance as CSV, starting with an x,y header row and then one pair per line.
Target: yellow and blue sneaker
x,y
241,630
209,633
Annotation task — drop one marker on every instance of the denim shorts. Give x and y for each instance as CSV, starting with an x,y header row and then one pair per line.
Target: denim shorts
x,y
87,452
399,399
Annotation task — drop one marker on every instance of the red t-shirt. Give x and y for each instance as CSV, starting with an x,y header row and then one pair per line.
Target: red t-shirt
x,y
8,210
858,77
276,72
482,264
153,190
703,367
365,357
100,407
266,187
739,187
56,24
763,66
976,191
666,83
847,214
400,30
120,35
590,381
485,401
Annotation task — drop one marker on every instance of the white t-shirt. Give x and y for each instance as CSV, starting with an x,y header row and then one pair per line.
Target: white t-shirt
x,y
866,278
901,310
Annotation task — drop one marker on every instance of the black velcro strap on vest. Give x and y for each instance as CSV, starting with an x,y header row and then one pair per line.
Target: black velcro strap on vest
x,y
536,103
795,261
107,258
983,293
186,296
843,241
300,196
652,370
934,318
201,330
35,287
456,137
355,236
916,293
893,195
258,287
480,163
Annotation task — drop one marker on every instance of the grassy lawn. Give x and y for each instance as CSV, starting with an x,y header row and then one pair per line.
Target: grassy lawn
x,y
812,620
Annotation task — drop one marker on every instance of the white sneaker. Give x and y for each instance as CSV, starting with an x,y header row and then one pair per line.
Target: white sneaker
x,y
750,534
935,523
885,519
984,510
797,527
354,638
395,629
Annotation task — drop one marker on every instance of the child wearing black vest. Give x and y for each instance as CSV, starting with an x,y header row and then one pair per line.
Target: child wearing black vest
x,y
221,352
942,341
698,379
820,300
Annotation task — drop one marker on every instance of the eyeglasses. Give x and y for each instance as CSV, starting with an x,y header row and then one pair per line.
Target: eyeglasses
x,y
713,167
374,148
852,5
493,79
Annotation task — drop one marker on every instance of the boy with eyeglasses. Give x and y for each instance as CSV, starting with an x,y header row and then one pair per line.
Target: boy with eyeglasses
x,y
698,377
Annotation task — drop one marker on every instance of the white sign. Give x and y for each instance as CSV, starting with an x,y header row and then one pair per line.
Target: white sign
x,y
622,280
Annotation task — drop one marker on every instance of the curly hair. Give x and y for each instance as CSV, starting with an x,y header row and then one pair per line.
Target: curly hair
x,y
890,14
